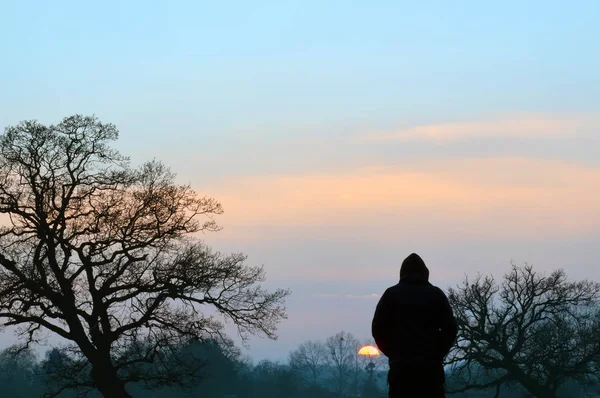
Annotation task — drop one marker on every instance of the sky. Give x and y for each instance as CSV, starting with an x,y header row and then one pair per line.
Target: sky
x,y
341,136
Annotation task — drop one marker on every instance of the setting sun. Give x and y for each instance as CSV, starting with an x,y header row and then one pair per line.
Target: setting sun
x,y
368,351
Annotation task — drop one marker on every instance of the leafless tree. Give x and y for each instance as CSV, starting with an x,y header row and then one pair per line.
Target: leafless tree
x,y
341,355
534,330
308,359
107,257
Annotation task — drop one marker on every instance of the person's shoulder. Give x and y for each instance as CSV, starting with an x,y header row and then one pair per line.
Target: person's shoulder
x,y
391,290
438,291
393,287
434,287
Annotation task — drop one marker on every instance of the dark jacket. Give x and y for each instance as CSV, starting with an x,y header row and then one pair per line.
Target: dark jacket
x,y
413,322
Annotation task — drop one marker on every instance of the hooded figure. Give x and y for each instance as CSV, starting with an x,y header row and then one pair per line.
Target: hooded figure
x,y
415,328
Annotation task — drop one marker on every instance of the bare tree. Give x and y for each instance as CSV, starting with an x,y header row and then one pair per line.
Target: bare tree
x,y
308,359
342,352
104,255
534,330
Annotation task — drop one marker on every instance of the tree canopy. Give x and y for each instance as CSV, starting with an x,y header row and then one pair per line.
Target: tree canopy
x,y
107,256
534,330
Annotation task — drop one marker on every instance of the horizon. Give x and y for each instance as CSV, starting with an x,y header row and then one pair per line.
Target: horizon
x,y
341,137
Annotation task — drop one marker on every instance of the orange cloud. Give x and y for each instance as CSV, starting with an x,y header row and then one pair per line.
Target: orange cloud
x,y
514,126
489,196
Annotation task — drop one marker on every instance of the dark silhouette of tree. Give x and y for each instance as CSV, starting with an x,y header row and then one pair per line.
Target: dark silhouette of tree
x,y
62,370
308,360
220,374
272,379
18,369
341,355
106,256
534,330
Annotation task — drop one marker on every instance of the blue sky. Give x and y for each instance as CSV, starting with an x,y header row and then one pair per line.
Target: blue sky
x,y
341,136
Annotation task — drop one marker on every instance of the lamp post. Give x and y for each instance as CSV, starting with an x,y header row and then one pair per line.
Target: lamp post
x,y
370,352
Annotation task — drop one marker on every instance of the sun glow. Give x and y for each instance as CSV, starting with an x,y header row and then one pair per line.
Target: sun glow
x,y
368,351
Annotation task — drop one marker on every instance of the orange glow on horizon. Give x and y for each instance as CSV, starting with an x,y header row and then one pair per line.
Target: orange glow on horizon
x,y
493,197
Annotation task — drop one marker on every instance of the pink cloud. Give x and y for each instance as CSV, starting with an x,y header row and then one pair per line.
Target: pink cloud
x,y
511,126
372,296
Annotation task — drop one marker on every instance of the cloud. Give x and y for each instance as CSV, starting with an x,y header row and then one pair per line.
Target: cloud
x,y
519,126
346,296
484,197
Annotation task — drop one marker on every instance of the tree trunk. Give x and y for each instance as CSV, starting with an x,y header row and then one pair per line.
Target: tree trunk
x,y
529,383
114,391
107,380
538,390
542,392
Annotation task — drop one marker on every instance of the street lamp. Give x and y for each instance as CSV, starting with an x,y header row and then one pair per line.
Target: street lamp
x,y
370,352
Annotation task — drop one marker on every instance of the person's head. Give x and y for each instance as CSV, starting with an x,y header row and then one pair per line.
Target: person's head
x,y
414,265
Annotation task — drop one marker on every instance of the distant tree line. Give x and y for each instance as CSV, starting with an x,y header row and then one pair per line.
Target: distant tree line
x,y
328,369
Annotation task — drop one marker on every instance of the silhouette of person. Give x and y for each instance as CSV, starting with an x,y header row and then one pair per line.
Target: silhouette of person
x,y
415,328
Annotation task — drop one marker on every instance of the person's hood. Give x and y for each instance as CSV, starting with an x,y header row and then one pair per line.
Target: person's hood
x,y
413,267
